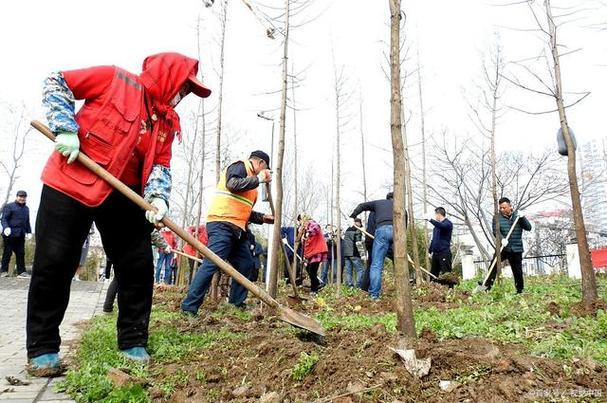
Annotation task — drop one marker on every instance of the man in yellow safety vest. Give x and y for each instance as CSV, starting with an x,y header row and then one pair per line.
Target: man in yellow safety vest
x,y
228,215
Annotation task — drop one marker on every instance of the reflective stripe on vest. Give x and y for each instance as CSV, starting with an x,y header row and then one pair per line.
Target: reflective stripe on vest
x,y
231,207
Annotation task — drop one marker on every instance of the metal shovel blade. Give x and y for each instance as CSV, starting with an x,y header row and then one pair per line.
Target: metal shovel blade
x,y
300,320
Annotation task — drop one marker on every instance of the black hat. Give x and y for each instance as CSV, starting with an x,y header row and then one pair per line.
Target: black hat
x,y
21,193
261,155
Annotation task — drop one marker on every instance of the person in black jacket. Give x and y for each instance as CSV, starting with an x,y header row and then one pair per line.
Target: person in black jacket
x,y
383,238
440,246
15,226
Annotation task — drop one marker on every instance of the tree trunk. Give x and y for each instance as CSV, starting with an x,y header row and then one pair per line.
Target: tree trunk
x,y
276,239
404,308
589,290
409,193
338,87
424,172
224,19
362,156
295,178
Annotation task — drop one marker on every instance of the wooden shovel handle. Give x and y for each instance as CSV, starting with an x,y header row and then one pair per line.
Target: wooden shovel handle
x,y
182,233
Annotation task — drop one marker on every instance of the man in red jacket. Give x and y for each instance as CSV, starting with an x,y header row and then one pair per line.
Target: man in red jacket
x,y
127,125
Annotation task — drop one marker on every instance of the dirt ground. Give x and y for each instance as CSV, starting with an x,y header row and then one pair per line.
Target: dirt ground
x,y
356,365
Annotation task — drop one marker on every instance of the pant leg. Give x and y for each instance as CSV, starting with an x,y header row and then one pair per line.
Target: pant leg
x,y
516,263
435,270
312,270
125,234
493,275
358,265
366,274
110,296
348,269
159,264
167,268
383,239
19,248
108,268
324,273
6,253
220,242
62,224
241,260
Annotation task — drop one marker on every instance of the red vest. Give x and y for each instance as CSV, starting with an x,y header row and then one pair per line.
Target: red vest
x,y
315,245
108,134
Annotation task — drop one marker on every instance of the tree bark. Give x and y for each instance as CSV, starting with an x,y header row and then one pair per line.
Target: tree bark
x,y
276,239
404,308
589,290
424,172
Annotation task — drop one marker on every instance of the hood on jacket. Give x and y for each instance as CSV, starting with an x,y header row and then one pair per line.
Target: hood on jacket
x,y
164,74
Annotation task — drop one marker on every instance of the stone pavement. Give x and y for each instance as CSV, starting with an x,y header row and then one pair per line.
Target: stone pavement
x,y
86,300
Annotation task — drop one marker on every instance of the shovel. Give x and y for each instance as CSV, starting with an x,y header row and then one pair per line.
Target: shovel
x,y
285,314
483,286
293,298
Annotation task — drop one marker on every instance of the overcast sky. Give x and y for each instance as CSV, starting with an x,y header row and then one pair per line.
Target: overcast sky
x,y
451,37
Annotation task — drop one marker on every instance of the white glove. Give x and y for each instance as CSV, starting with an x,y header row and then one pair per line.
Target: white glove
x,y
168,249
504,242
7,231
521,213
28,236
264,176
429,215
68,144
161,209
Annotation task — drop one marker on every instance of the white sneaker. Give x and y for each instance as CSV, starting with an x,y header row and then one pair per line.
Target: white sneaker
x,y
4,274
24,275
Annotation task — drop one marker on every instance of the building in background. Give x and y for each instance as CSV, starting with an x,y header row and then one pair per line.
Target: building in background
x,y
593,169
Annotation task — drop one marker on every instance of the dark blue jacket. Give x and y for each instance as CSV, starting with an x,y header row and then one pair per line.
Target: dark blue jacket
x,y
16,217
441,236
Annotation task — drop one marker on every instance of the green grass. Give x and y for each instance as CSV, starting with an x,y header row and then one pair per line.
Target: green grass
x,y
98,353
503,316
304,365
499,315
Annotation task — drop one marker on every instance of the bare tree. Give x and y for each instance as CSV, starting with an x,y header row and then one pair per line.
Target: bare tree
x,y
485,116
276,239
20,131
223,17
404,308
547,26
422,116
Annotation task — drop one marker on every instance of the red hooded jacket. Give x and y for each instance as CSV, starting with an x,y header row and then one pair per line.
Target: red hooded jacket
x,y
126,124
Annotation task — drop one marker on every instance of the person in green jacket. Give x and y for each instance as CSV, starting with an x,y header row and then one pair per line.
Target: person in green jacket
x,y
512,250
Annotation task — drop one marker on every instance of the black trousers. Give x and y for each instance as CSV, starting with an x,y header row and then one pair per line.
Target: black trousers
x,y
312,269
17,245
62,225
441,263
110,296
516,263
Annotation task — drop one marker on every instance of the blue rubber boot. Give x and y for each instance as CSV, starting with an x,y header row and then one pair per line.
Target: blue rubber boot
x,y
136,354
45,365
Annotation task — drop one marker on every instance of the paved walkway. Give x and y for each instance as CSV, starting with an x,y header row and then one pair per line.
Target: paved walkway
x,y
85,301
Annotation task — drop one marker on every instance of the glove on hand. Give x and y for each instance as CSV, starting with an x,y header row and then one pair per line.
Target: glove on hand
x,y
155,216
7,231
68,144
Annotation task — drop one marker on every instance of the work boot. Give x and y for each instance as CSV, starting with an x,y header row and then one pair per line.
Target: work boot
x,y
24,275
136,354
45,365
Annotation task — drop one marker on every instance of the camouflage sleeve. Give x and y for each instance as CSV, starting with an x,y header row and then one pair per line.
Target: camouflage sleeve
x,y
59,103
159,184
158,240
